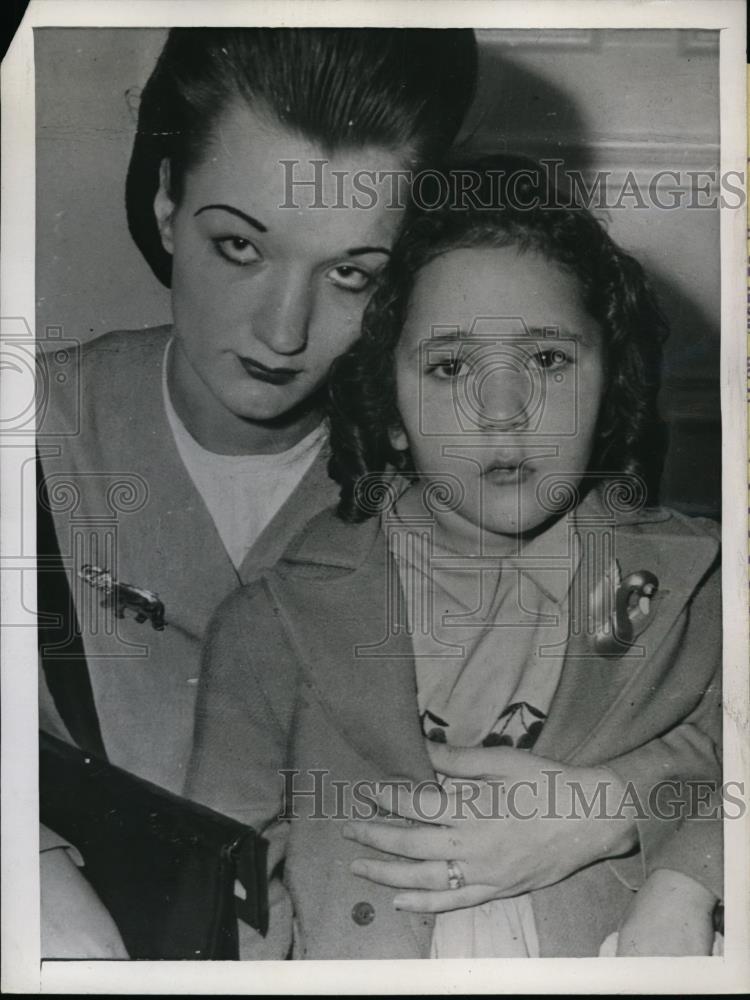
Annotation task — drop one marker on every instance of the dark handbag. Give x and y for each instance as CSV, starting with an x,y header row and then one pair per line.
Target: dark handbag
x,y
165,867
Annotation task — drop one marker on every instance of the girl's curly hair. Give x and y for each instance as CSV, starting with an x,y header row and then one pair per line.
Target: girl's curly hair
x,y
362,396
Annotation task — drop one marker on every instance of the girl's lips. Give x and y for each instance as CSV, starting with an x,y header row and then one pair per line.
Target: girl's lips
x,y
507,473
275,376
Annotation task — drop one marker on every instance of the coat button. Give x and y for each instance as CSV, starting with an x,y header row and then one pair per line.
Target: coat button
x,y
363,913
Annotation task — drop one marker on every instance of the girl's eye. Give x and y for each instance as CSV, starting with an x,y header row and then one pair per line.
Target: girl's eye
x,y
351,278
449,368
237,250
553,359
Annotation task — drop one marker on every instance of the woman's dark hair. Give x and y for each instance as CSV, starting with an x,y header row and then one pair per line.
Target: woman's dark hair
x,y
511,204
339,87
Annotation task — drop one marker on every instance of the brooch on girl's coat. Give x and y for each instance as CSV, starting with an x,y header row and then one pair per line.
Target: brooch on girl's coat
x,y
622,609
145,603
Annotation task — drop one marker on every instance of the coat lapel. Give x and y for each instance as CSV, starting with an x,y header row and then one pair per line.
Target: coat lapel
x,y
364,648
173,541
139,514
315,492
592,685
171,545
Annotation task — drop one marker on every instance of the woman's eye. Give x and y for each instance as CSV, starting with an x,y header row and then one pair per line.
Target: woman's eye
x,y
552,360
353,279
449,368
237,250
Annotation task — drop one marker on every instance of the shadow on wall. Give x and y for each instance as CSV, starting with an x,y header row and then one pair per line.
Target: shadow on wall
x,y
690,402
520,111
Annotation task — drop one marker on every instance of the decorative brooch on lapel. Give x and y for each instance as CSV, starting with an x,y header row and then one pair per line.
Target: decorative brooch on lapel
x,y
622,609
145,603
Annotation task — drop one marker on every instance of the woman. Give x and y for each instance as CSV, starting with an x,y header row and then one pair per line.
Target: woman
x,y
179,461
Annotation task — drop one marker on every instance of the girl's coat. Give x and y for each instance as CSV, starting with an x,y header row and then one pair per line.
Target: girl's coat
x,y
290,683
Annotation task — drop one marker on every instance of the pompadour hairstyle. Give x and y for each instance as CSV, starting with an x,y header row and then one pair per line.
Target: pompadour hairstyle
x,y
362,391
401,88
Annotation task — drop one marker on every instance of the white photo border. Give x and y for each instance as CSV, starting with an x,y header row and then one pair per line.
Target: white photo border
x,y
22,970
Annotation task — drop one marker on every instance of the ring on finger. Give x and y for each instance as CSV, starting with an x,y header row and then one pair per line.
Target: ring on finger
x,y
456,879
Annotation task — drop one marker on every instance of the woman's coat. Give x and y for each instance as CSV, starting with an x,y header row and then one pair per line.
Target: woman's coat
x,y
123,501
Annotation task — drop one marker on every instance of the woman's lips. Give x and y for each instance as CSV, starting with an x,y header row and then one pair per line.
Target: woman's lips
x,y
274,376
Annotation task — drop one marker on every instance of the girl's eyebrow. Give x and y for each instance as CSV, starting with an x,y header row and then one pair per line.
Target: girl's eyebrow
x,y
551,333
238,212
456,336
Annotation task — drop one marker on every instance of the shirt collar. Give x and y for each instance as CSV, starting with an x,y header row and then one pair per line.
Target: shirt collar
x,y
550,560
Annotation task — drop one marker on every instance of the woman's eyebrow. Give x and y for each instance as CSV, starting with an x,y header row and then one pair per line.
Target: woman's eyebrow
x,y
357,251
239,213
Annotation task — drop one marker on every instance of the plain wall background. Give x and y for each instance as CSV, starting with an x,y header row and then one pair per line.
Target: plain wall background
x,y
611,100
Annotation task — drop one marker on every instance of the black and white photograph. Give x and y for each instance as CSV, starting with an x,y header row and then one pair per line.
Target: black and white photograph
x,y
374,543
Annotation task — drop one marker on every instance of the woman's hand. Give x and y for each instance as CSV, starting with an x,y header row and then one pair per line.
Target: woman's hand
x,y
671,914
513,821
75,922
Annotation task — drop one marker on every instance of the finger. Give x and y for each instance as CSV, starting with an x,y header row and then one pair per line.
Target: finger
x,y
423,802
480,762
445,899
403,874
425,843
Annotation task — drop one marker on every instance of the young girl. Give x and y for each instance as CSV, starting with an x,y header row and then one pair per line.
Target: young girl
x,y
494,583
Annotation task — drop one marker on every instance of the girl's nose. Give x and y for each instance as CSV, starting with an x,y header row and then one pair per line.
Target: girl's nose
x,y
504,394
282,318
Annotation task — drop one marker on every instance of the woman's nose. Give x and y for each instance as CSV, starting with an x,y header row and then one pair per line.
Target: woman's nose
x,y
504,395
282,319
